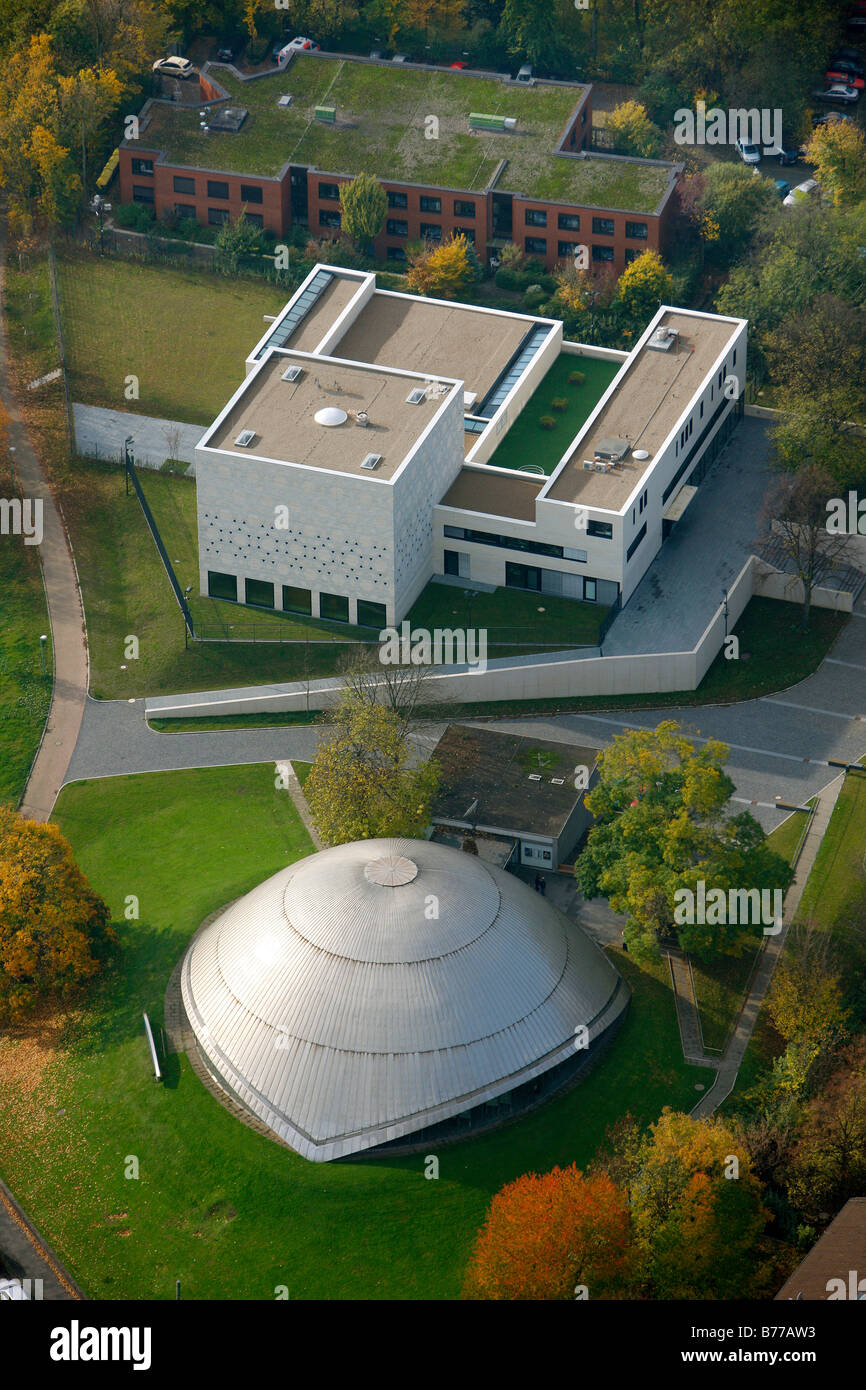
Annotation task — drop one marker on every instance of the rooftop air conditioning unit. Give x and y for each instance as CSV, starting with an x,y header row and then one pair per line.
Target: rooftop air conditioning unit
x,y
535,776
362,418
558,781
285,100
245,439
371,461
469,399
601,466
663,338
611,450
293,372
416,395
588,466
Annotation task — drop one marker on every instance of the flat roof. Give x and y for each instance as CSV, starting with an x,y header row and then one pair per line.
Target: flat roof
x,y
649,398
841,1248
525,785
282,415
327,308
382,125
422,335
480,490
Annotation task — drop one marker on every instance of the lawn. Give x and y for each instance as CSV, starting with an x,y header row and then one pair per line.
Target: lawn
x,y
515,620
223,1209
528,444
835,895
25,694
184,334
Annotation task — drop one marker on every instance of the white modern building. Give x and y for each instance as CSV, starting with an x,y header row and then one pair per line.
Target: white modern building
x,y
360,457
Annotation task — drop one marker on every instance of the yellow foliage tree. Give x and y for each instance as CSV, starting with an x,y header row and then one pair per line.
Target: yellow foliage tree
x,y
838,152
644,284
442,270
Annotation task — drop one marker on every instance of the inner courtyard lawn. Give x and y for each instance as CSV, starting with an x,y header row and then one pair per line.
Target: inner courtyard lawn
x,y
225,1210
527,442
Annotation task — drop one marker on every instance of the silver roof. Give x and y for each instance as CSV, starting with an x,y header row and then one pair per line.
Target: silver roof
x,y
349,1000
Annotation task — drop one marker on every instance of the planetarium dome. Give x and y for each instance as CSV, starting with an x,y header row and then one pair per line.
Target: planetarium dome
x,y
373,990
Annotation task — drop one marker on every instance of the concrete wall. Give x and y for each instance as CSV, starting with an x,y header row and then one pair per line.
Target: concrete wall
x,y
770,583
426,475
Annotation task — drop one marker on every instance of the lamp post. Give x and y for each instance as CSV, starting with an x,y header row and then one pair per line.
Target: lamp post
x,y
130,439
43,638
725,602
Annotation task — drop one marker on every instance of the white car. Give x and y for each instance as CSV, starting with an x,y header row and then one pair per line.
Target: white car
x,y
749,153
296,45
838,91
809,189
173,67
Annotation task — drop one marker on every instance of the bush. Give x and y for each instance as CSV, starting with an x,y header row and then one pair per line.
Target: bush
x,y
559,403
576,378
533,296
135,216
547,422
506,279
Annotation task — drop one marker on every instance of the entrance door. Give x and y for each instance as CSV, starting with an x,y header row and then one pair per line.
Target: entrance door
x,y
522,576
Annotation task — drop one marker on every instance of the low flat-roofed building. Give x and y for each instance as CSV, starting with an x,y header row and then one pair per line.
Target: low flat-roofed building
x,y
835,1267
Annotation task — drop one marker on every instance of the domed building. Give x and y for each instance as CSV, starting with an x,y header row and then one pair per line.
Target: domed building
x,y
388,991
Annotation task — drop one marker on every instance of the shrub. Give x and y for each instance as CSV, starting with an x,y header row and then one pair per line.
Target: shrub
x,y
136,216
576,378
559,403
506,279
533,296
547,422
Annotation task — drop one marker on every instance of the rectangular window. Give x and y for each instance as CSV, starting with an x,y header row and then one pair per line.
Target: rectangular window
x,y
222,586
602,226
631,254
567,248
372,614
183,185
142,193
602,529
329,217
216,189
535,217
702,410
636,230
468,232
330,192
395,226
297,600
395,253
535,245
579,555
636,542
217,217
335,607
602,253
259,593
590,590
184,210
569,222
251,193
734,358
397,200
255,219
430,204
522,576
462,208
431,231
142,166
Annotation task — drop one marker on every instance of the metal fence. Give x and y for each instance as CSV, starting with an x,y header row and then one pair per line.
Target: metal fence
x,y
157,538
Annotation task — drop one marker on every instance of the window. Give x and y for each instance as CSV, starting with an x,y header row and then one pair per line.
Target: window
x,y
602,226
255,219
535,217
335,607
590,590
142,166
602,529
567,248
215,189
183,185
636,230
462,208
522,576
330,192
259,593
142,193
545,854
579,555
430,204
395,253
631,254
184,210
568,222
536,245
397,200
297,600
463,533
602,253
636,542
702,410
251,193
372,614
217,217
468,232
222,586
431,231
734,358
329,217
395,226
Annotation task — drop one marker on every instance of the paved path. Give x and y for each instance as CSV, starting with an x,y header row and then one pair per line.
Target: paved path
x,y
688,1014
101,433
26,1255
66,614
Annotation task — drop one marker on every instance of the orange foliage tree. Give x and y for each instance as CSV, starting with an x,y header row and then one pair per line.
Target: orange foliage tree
x,y
54,930
549,1235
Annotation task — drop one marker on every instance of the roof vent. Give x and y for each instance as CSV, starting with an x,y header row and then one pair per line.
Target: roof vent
x,y
293,373
535,776
371,461
663,338
588,466
330,415
416,395
245,439
558,781
640,454
285,100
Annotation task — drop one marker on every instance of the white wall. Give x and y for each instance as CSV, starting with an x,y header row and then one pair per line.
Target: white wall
x,y
514,402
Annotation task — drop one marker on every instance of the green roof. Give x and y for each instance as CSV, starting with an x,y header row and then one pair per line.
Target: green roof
x,y
382,127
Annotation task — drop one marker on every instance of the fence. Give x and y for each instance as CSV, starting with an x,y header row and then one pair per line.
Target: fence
x,y
157,538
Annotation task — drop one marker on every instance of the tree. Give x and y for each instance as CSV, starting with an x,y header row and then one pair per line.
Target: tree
x,y
364,206
441,270
361,784
632,131
529,28
795,535
838,152
644,285
86,102
54,930
660,828
829,1161
733,204
547,1234
235,240
805,998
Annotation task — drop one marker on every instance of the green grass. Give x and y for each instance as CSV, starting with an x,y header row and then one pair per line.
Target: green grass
x,y
382,126
526,442
302,770
834,898
511,617
786,837
25,694
223,1209
184,334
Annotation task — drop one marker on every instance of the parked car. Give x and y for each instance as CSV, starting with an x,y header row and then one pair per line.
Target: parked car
x,y
526,73
785,153
458,65
838,92
749,153
783,188
841,76
11,1290
173,67
226,53
283,51
828,117
847,60
809,189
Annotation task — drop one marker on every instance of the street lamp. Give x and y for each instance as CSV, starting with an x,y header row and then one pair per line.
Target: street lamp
x,y
42,640
725,602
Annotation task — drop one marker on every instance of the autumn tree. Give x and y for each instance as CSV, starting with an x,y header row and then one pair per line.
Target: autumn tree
x,y
828,1164
733,205
661,827
530,30
552,1236
644,285
54,930
632,131
806,998
794,531
236,240
86,102
441,271
838,152
364,207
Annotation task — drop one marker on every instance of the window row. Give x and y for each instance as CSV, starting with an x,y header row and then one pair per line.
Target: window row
x,y
462,207
217,188
259,593
431,231
570,222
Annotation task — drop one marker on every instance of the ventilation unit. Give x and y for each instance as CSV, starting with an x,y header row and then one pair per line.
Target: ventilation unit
x,y
293,373
245,439
663,338
371,461
416,395
588,466
535,776
611,450
558,781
